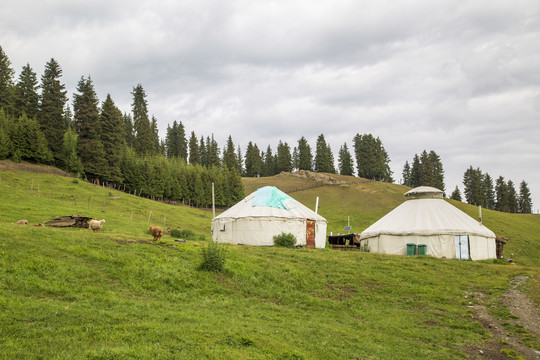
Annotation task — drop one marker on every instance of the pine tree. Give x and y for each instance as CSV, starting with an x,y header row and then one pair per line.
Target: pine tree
x,y
29,142
253,160
372,161
144,135
72,162
129,134
6,83
194,153
525,203
68,117
501,192
51,109
305,158
269,167
295,158
26,97
112,137
240,165
489,194
456,194
415,172
229,155
406,174
513,206
5,140
203,152
345,160
324,159
212,152
437,171
175,141
472,182
283,157
87,125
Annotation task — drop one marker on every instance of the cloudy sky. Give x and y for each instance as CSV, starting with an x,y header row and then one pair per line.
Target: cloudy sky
x,y
458,77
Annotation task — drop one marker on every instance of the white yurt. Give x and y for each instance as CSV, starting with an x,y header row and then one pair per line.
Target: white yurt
x,y
265,213
428,222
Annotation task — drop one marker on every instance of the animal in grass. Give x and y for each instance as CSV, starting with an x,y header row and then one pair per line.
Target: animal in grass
x,y
156,232
22,222
96,225
168,231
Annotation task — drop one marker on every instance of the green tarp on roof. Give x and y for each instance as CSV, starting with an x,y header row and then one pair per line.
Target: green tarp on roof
x,y
273,197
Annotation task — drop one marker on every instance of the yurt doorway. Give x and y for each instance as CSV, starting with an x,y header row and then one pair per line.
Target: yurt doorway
x,y
462,246
310,234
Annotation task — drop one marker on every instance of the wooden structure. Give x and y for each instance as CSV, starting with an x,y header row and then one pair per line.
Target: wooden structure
x,y
500,241
69,221
345,241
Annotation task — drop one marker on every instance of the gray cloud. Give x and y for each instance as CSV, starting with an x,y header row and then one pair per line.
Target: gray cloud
x,y
460,78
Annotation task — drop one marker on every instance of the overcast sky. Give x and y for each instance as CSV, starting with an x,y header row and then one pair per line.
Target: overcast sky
x,y
461,78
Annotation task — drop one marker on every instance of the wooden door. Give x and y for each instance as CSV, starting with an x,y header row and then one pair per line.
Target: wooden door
x,y
310,234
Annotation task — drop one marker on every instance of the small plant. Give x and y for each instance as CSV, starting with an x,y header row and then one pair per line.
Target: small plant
x,y
75,181
285,240
184,234
213,258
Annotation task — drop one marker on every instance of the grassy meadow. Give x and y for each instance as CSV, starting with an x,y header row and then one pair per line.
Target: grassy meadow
x,y
115,294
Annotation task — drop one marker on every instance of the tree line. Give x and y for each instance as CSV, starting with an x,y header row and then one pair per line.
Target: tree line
x,y
502,196
103,144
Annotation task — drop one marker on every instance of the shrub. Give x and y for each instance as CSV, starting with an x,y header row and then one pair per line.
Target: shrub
x,y
75,181
184,234
213,258
285,240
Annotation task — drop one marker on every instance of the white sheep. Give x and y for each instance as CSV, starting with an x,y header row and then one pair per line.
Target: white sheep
x,y
22,222
96,225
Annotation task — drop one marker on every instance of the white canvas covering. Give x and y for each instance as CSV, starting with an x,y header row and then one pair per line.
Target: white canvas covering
x,y
247,223
430,221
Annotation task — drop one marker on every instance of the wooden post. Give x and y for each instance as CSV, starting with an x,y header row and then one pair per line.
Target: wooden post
x,y
89,203
103,206
32,187
149,216
131,215
75,201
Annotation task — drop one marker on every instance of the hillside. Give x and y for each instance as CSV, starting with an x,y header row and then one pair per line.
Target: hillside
x,y
71,293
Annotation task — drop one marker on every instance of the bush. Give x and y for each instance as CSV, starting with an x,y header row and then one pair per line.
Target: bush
x,y
213,258
75,181
285,240
184,234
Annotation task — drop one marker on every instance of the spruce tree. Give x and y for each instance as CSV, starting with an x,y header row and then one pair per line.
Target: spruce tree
x,y
129,132
489,194
51,109
26,97
269,167
157,146
501,192
29,142
415,172
194,154
175,141
72,162
5,140
144,135
212,152
203,152
324,159
525,203
253,160
513,206
437,171
472,182
305,157
6,83
87,125
283,157
345,160
112,137
229,155
406,174
456,194
372,161
240,165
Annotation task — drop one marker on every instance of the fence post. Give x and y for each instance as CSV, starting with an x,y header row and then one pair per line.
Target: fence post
x,y
149,217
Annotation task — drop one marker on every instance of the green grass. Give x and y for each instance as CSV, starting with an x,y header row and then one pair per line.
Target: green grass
x,y
114,294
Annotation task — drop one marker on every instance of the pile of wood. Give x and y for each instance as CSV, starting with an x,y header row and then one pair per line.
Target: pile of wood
x,y
500,241
69,221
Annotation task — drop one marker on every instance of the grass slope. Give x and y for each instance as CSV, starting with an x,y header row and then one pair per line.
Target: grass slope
x,y
71,293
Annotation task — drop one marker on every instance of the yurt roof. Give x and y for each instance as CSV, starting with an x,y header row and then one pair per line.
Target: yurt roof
x,y
269,201
426,216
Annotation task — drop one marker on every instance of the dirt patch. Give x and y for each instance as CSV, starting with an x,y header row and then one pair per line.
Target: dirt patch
x,y
504,342
26,166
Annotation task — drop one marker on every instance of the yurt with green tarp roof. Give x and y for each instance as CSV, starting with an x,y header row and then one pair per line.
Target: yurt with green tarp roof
x,y
427,222
265,213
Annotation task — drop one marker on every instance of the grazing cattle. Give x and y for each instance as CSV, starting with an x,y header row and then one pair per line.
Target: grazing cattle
x,y
156,232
